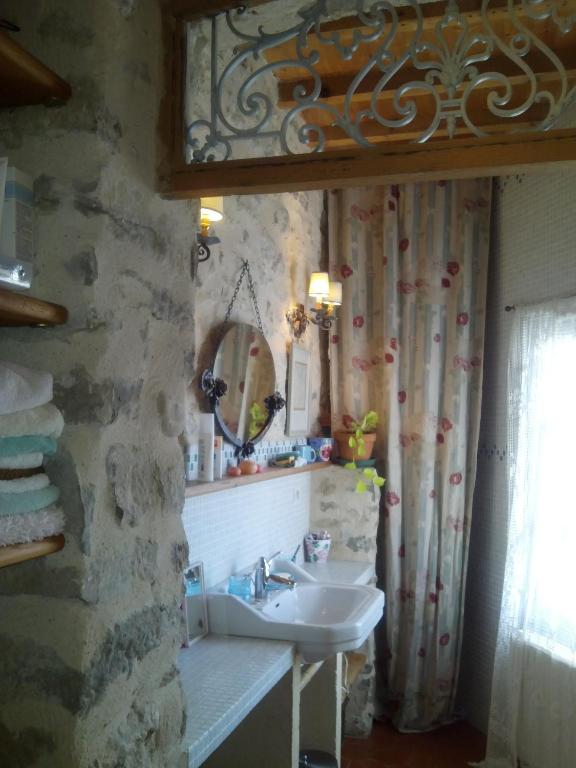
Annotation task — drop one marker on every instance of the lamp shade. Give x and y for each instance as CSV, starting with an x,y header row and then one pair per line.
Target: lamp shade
x,y
211,209
319,285
335,294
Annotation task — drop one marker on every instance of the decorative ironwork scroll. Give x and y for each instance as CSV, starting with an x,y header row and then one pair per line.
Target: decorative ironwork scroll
x,y
435,75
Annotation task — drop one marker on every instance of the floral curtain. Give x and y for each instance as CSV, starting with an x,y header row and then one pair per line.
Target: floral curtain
x,y
409,344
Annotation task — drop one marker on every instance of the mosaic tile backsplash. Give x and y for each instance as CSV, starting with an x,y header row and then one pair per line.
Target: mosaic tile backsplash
x,y
229,530
264,451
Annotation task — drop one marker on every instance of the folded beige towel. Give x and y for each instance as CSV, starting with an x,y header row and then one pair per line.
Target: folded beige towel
x,y
31,526
23,484
45,420
22,461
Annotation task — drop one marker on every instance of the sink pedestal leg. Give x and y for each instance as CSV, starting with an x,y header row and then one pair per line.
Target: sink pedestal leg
x,y
321,708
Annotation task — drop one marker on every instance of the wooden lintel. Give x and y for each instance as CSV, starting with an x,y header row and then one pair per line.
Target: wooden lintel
x,y
336,86
194,10
456,159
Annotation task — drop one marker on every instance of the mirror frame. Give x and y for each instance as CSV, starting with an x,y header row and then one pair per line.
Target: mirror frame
x,y
215,388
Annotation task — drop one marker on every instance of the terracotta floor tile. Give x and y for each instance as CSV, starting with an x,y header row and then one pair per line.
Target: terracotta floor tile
x,y
453,746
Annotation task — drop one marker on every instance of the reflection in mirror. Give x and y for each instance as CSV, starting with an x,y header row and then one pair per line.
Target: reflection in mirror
x,y
244,362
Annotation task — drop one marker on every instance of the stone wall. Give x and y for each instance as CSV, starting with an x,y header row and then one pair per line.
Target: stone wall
x,y
88,637
350,517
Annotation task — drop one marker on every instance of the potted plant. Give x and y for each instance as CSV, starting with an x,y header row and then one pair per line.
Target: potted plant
x,y
357,440
357,444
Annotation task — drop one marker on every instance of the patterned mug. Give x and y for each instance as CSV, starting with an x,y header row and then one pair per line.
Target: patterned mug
x,y
305,452
316,550
322,446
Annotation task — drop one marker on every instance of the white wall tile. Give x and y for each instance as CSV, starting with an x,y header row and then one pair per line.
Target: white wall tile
x,y
229,530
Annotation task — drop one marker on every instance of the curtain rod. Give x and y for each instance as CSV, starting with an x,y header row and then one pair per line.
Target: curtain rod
x,y
514,307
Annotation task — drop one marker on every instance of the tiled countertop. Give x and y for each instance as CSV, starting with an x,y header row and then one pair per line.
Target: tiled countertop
x,y
223,678
341,571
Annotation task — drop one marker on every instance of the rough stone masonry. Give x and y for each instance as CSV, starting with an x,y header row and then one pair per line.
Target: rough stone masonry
x,y
88,639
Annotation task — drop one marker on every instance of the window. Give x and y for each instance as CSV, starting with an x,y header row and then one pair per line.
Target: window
x,y
543,377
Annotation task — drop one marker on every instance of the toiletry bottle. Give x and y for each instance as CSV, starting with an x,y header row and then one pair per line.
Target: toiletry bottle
x,y
206,448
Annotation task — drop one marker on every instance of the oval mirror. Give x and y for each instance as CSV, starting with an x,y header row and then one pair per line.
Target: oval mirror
x,y
245,406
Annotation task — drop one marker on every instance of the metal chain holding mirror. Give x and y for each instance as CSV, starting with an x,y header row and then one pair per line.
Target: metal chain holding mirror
x,y
241,385
338,74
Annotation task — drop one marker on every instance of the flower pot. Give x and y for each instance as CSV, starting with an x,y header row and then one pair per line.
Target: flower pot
x,y
344,450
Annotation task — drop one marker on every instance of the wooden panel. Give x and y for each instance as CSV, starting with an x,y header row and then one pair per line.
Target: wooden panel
x,y
25,80
19,553
459,158
20,309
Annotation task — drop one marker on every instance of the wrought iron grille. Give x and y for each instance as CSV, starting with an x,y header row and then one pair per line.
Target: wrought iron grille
x,y
406,71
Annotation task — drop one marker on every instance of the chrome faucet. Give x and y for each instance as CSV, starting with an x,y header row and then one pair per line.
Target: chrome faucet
x,y
262,576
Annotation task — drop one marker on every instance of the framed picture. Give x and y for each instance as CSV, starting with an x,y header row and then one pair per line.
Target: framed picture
x,y
194,606
298,407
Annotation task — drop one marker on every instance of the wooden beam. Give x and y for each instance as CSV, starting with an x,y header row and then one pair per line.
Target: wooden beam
x,y
336,138
195,10
335,87
459,158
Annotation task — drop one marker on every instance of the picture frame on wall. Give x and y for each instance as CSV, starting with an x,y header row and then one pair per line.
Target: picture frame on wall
x,y
195,606
298,405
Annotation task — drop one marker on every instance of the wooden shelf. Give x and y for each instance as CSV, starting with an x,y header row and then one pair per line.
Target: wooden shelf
x,y
25,80
18,553
21,309
201,489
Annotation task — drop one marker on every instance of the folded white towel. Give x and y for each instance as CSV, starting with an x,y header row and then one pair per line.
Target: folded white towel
x,y
22,388
45,420
32,526
22,461
23,484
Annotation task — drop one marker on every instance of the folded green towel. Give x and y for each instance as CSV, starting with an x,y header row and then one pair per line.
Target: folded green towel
x,y
28,501
43,420
12,446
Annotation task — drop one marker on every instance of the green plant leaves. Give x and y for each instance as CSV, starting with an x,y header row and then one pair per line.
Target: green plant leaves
x,y
350,465
361,487
379,482
352,442
369,422
370,472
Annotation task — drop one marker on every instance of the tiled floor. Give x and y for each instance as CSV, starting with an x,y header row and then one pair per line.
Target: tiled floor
x,y
453,746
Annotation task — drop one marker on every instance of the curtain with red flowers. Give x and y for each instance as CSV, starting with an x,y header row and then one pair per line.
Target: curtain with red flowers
x,y
409,345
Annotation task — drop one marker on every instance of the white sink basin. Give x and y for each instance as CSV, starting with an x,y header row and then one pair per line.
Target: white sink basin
x,y
320,619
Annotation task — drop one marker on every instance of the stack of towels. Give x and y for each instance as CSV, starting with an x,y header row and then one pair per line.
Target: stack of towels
x,y
29,427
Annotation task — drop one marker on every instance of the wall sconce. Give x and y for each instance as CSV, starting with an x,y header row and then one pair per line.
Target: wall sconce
x,y
328,295
211,211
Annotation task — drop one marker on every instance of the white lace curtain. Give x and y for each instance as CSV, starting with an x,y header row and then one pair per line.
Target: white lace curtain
x,y
533,710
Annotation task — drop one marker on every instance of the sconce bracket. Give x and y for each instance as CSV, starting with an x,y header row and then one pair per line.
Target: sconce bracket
x,y
203,244
323,317
298,319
